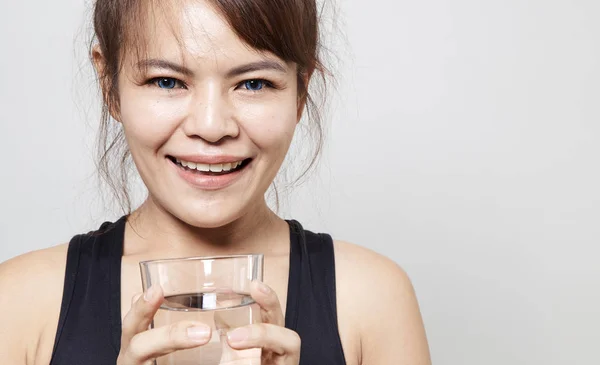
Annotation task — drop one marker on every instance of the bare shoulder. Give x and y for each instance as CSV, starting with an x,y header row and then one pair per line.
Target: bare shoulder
x,y
383,281
362,268
34,268
31,286
359,260
386,312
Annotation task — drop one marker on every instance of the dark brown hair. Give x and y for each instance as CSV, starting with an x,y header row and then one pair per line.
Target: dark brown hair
x,y
288,29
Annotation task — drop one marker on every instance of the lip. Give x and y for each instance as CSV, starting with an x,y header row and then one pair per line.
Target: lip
x,y
209,182
207,159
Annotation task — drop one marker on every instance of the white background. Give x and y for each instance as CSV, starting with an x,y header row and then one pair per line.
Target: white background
x,y
463,144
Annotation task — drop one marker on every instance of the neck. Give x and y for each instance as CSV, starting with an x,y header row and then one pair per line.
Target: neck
x,y
156,232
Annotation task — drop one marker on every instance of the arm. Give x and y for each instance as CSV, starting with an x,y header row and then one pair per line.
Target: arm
x,y
12,339
395,331
30,292
390,325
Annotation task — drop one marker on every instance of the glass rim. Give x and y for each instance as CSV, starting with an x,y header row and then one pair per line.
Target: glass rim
x,y
200,258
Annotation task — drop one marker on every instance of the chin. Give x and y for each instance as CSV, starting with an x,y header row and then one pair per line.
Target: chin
x,y
208,217
213,210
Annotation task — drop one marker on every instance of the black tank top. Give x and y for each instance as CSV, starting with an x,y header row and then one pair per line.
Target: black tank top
x,y
89,328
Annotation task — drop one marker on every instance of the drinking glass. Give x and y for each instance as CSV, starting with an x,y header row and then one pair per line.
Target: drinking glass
x,y
212,290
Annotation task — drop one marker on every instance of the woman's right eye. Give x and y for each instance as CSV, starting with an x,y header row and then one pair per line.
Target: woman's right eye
x,y
167,83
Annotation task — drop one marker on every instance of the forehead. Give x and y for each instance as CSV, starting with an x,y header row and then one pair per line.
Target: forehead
x,y
191,31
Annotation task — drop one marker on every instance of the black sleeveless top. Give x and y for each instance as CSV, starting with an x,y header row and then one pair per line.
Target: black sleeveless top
x,y
89,328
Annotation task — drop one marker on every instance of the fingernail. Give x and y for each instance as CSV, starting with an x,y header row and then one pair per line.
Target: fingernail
x,y
198,332
238,335
263,288
149,294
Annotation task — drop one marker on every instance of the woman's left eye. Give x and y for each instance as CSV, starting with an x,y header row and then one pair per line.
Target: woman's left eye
x,y
167,83
255,84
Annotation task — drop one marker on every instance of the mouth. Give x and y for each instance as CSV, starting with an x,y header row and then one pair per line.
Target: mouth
x,y
216,169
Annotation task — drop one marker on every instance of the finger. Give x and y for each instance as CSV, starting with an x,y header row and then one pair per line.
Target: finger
x,y
164,340
135,298
270,337
269,303
141,313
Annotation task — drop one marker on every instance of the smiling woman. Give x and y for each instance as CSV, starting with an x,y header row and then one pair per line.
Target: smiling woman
x,y
159,44
206,97
188,100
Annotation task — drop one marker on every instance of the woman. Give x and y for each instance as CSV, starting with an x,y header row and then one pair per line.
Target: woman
x,y
208,94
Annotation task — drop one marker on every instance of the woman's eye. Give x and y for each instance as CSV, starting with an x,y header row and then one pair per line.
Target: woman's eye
x,y
167,83
254,85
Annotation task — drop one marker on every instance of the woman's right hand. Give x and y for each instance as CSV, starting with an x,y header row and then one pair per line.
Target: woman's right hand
x,y
140,345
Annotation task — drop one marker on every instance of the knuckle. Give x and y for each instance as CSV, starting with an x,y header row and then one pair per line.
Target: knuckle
x,y
296,341
130,317
173,332
128,321
272,300
134,314
135,348
295,336
141,308
259,331
134,321
135,299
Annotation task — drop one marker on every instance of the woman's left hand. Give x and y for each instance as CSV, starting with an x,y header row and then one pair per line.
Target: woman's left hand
x,y
280,346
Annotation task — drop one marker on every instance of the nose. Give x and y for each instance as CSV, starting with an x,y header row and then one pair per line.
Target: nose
x,y
210,116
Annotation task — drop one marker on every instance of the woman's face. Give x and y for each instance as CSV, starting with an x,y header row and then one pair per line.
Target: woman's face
x,y
208,119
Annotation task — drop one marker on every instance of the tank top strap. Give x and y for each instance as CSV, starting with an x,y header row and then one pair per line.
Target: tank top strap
x,y
91,302
311,300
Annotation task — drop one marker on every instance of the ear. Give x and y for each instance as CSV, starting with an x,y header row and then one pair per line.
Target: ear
x,y
99,62
302,99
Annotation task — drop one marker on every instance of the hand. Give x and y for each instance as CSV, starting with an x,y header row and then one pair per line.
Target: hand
x,y
280,346
140,346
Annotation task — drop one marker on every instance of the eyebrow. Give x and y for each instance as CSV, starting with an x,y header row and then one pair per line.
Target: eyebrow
x,y
249,67
164,64
257,66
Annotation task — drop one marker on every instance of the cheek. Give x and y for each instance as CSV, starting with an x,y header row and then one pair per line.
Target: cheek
x,y
148,122
271,127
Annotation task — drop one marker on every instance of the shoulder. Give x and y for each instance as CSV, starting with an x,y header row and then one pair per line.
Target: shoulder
x,y
42,271
40,264
358,267
38,272
33,270
387,309
38,268
363,261
31,286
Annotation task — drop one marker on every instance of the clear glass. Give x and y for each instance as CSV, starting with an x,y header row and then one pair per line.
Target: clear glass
x,y
212,290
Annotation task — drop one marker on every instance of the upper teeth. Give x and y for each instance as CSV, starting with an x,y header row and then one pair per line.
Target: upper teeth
x,y
217,167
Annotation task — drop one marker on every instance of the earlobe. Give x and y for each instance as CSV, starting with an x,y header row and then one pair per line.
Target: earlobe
x,y
97,56
302,98
301,106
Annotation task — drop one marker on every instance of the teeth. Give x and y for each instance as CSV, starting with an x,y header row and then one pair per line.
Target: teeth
x,y
216,168
203,167
212,167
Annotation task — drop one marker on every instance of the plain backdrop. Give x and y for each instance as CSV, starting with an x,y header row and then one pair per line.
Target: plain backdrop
x,y
463,143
